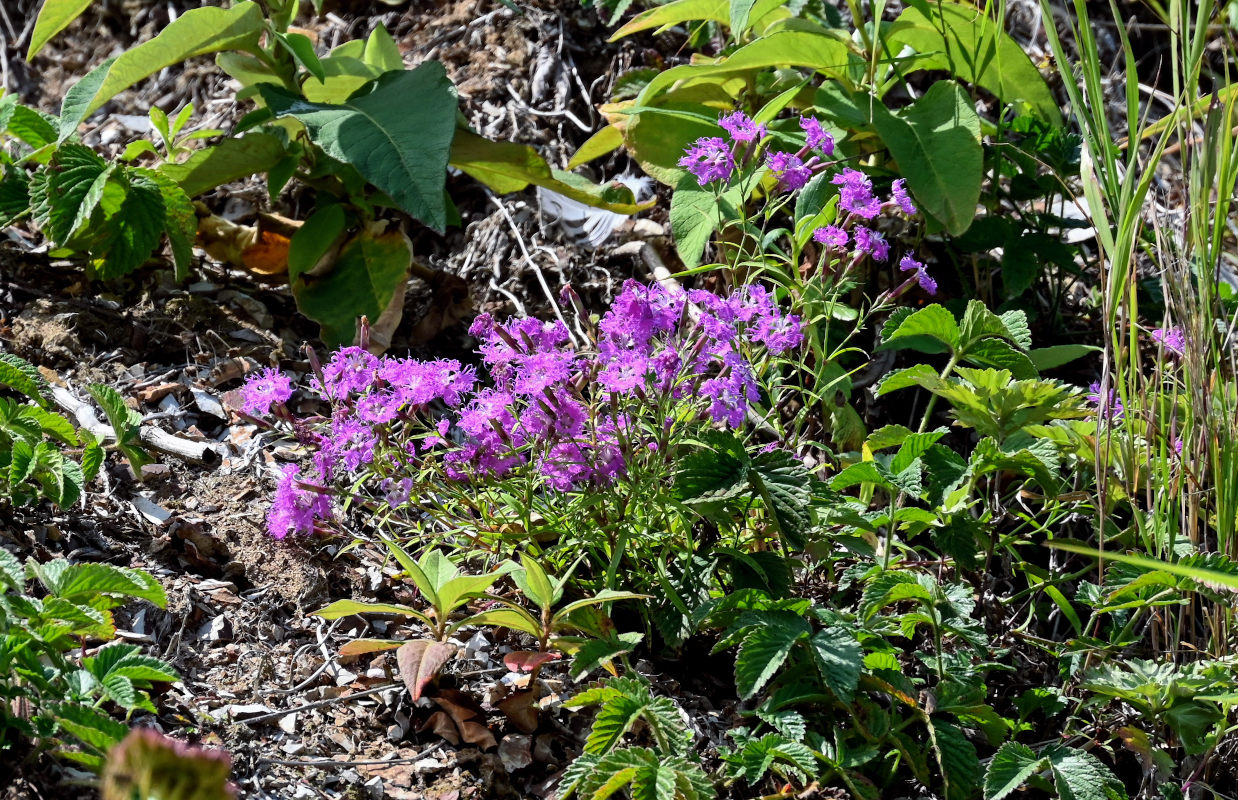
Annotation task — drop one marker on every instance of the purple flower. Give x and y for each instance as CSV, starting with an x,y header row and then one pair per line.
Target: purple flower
x,y
909,264
624,372
871,242
639,314
817,138
791,172
263,390
830,236
294,509
709,160
855,194
537,372
1108,407
350,371
396,492
354,440
1172,339
741,127
777,332
899,196
730,393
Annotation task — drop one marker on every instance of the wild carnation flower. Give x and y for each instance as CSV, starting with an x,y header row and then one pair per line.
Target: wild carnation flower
x,y
350,371
855,194
830,236
639,314
263,390
817,138
899,196
710,159
396,492
791,172
741,127
730,394
295,509
871,242
1172,339
1108,407
908,264
778,332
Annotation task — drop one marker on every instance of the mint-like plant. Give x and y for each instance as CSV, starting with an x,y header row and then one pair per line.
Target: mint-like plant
x,y
666,770
50,695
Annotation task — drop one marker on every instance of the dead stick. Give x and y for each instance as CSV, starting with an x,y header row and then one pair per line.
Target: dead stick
x,y
151,436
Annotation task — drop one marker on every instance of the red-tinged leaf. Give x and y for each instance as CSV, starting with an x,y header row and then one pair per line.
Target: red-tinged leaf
x,y
420,662
527,660
442,725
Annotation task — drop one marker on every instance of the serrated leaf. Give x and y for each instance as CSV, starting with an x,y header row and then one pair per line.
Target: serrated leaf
x,y
121,691
957,756
600,652
838,657
576,772
180,221
764,650
53,424
1001,355
89,726
906,378
133,232
933,322
11,571
82,581
1009,769
22,376
1079,775
78,177
782,481
717,471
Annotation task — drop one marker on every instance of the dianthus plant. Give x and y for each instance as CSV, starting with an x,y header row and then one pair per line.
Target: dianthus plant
x,y
557,445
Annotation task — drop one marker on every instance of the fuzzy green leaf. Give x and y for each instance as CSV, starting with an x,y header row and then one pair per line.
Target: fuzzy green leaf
x,y
764,650
838,657
1079,775
1009,769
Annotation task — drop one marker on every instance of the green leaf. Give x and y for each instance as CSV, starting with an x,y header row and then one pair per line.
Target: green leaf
x,y
196,32
975,50
696,212
363,279
313,239
77,176
533,582
302,49
54,16
120,690
32,126
14,195
89,726
230,160
600,652
782,480
740,11
124,421
53,425
826,53
717,471
838,657
74,107
346,608
1051,357
80,582
936,142
999,355
135,229
576,773
180,220
396,130
933,322
516,619
508,167
763,651
957,756
1079,775
22,376
1011,766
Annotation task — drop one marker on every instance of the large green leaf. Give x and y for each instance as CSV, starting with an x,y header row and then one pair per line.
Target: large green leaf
x,y
782,481
823,52
230,160
365,276
975,50
838,657
936,142
396,131
696,212
194,33
54,16
673,13
508,167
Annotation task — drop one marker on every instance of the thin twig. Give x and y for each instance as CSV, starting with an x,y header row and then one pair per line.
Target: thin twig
x,y
331,763
320,703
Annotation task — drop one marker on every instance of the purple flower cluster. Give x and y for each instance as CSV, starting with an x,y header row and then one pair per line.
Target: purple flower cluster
x,y
268,388
1172,339
573,417
920,273
709,159
1107,407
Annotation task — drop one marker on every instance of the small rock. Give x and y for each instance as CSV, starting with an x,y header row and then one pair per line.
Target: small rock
x,y
208,404
514,752
288,723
